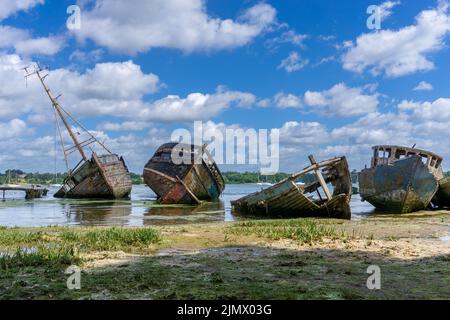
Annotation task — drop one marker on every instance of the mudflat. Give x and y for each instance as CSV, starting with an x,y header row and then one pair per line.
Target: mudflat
x,y
252,259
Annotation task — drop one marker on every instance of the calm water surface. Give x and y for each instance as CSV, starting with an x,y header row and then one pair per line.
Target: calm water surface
x,y
140,210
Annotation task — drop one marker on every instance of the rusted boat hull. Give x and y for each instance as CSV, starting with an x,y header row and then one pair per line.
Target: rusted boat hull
x,y
402,187
104,176
288,199
189,183
442,197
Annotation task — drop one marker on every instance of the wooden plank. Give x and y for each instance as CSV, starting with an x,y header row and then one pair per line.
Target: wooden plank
x,y
320,178
189,191
161,174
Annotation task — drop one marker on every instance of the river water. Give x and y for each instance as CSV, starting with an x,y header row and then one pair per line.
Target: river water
x,y
140,210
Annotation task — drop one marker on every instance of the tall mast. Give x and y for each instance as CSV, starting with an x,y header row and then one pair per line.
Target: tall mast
x,y
58,110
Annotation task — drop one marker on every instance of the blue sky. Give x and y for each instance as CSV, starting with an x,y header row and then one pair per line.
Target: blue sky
x,y
137,70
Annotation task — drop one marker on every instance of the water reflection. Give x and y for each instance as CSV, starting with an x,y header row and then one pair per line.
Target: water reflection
x,y
140,210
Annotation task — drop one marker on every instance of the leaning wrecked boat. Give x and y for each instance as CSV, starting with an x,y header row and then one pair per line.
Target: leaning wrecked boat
x,y
195,179
101,176
442,197
290,199
401,179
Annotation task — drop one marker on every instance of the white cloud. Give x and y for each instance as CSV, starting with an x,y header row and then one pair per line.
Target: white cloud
x,y
264,103
23,43
107,89
438,110
124,126
423,86
42,46
196,106
290,37
13,128
10,7
183,25
297,133
341,101
293,62
386,8
284,101
404,51
118,89
86,57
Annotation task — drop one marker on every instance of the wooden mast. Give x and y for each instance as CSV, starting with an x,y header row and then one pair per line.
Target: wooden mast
x,y
58,110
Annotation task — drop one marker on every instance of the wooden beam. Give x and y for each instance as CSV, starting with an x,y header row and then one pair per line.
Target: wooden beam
x,y
320,177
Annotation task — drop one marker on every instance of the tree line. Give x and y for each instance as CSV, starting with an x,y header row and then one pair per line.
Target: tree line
x,y
19,176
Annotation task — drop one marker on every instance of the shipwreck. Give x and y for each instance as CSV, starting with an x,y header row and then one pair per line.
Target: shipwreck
x,y
442,197
402,179
100,176
290,199
190,182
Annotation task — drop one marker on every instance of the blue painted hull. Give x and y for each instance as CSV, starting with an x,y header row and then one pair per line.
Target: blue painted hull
x,y
403,187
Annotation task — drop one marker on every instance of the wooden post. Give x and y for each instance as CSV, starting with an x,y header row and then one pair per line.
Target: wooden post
x,y
3,195
320,177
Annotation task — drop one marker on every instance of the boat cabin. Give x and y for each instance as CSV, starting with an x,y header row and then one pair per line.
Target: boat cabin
x,y
388,154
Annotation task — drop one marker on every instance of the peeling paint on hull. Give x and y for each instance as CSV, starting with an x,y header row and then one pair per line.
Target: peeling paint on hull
x,y
402,187
188,183
104,176
287,199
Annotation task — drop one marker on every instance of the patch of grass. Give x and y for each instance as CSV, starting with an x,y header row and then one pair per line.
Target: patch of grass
x,y
13,237
38,257
112,238
62,246
305,231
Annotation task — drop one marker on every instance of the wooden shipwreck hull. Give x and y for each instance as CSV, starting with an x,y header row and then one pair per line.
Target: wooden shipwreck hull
x,y
104,176
442,197
196,180
401,180
289,199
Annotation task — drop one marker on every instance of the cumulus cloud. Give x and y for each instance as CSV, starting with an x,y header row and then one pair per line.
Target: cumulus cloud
x,y
118,89
41,46
293,62
196,106
23,43
386,8
86,57
183,25
124,126
10,7
13,128
285,101
404,51
341,101
298,133
423,86
438,110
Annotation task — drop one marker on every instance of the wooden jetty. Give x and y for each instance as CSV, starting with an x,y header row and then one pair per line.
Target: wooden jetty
x,y
31,191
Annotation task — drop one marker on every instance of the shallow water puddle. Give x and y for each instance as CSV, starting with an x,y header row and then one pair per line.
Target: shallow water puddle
x,y
445,239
